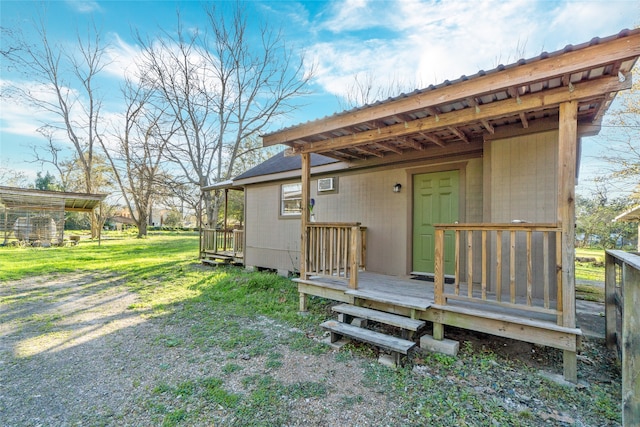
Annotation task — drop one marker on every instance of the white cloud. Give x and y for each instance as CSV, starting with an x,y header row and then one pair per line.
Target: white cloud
x,y
18,117
84,6
432,41
122,58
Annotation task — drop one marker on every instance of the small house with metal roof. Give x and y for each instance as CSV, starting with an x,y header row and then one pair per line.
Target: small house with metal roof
x,y
452,205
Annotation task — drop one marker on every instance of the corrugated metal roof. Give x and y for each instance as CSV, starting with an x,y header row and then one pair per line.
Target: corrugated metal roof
x,y
412,122
27,197
544,55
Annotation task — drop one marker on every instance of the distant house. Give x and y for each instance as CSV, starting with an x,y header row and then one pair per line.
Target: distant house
x,y
471,182
632,215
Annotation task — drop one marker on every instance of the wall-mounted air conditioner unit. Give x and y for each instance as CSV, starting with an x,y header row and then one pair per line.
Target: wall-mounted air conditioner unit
x,y
326,184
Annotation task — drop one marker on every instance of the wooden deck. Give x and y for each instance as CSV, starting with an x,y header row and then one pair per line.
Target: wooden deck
x,y
222,246
415,299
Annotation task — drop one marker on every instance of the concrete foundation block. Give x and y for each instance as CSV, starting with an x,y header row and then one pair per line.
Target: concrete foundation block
x,y
444,346
336,345
250,268
360,323
387,360
283,273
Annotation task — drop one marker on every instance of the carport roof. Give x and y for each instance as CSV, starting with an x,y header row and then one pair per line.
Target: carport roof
x,y
13,197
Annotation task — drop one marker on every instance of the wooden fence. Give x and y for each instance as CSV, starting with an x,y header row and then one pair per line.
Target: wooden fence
x,y
622,316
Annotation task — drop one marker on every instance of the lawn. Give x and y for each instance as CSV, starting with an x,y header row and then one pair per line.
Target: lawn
x,y
248,326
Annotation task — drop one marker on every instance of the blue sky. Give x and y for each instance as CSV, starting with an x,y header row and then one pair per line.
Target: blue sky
x,y
414,42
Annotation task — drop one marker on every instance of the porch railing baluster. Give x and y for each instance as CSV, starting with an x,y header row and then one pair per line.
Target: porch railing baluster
x,y
526,247
335,250
483,283
470,263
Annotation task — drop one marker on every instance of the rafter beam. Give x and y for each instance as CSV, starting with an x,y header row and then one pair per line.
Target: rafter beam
x,y
457,132
369,151
390,146
488,126
414,144
545,100
350,155
432,138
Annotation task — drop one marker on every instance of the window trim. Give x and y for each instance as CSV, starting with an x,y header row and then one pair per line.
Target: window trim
x,y
292,213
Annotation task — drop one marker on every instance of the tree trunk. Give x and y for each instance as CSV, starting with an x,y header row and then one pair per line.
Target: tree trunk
x,y
142,226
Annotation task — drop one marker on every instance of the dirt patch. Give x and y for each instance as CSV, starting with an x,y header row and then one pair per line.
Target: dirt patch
x,y
78,350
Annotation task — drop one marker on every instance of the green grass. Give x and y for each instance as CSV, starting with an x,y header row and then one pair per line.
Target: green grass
x,y
590,274
138,259
164,271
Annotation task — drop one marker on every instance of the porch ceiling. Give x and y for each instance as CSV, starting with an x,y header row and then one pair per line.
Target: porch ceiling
x,y
522,96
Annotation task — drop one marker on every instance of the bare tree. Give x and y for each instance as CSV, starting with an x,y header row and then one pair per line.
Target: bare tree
x,y
66,92
365,89
621,148
224,87
63,167
138,151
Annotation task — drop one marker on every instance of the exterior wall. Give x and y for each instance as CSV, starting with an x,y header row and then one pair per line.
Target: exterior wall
x,y
524,178
364,196
523,185
270,241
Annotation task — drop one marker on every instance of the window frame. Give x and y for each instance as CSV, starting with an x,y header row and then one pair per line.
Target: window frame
x,y
289,212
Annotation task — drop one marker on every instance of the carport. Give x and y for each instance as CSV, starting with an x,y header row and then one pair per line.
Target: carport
x,y
36,217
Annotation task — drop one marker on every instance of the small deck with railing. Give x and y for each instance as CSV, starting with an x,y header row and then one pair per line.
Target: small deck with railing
x,y
222,246
506,280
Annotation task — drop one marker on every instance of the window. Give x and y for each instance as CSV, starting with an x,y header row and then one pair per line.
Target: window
x,y
291,199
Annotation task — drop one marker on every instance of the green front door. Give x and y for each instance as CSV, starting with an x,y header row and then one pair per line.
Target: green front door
x,y
435,201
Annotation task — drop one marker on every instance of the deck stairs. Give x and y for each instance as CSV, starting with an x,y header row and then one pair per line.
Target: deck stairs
x,y
352,322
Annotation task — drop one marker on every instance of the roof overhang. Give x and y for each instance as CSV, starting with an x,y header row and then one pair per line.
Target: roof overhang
x,y
13,197
229,184
632,215
519,98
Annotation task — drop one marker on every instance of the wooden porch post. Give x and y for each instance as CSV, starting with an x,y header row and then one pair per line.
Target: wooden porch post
x,y
226,208
304,220
567,143
438,328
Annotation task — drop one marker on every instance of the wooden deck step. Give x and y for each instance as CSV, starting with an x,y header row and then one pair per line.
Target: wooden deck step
x,y
394,344
379,316
399,300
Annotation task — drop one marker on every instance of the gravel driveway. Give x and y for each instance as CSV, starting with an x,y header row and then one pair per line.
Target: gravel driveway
x,y
80,349
73,352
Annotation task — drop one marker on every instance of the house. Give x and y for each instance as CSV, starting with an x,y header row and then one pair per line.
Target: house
x,y
470,183
632,215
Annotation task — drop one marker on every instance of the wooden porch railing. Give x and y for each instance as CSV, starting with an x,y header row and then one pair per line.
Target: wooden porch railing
x,y
622,319
506,253
335,250
223,241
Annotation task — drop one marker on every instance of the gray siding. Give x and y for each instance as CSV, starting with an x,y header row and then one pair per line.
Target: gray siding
x,y
523,186
270,242
524,178
363,196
